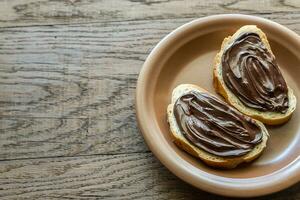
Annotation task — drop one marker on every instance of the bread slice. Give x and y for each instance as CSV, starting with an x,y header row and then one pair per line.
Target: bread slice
x,y
270,118
208,158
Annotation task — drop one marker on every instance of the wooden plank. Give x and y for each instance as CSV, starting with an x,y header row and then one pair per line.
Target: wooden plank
x,y
73,76
126,177
74,71
30,137
51,137
31,12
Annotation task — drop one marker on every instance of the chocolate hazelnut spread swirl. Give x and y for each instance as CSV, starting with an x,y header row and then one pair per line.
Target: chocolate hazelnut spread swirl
x,y
250,71
214,126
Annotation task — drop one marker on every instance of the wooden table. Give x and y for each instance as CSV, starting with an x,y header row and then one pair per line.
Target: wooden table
x,y
67,84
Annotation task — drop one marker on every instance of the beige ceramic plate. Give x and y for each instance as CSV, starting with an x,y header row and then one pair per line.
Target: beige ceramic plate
x,y
186,56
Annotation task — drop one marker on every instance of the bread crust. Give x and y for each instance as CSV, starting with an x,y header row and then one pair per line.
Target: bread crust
x,y
270,118
208,158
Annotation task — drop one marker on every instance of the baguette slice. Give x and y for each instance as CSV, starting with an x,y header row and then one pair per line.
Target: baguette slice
x,y
208,158
270,118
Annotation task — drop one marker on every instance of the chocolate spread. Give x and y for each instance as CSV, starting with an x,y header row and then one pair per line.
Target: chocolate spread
x,y
250,71
214,126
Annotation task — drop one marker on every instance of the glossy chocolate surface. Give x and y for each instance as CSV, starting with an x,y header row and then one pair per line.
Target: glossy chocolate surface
x,y
214,126
250,71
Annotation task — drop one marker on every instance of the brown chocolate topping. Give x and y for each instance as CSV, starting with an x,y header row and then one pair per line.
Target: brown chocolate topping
x,y
250,71
214,126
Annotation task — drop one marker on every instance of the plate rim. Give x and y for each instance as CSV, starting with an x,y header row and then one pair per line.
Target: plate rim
x,y
234,187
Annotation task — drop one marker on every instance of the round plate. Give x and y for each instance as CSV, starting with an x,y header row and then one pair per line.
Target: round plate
x,y
186,56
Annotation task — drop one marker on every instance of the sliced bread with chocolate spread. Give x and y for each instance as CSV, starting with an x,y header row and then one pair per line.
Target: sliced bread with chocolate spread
x,y
247,75
210,129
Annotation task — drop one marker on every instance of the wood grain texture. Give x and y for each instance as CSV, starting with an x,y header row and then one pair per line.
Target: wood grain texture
x,y
43,137
75,71
126,177
68,71
41,12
